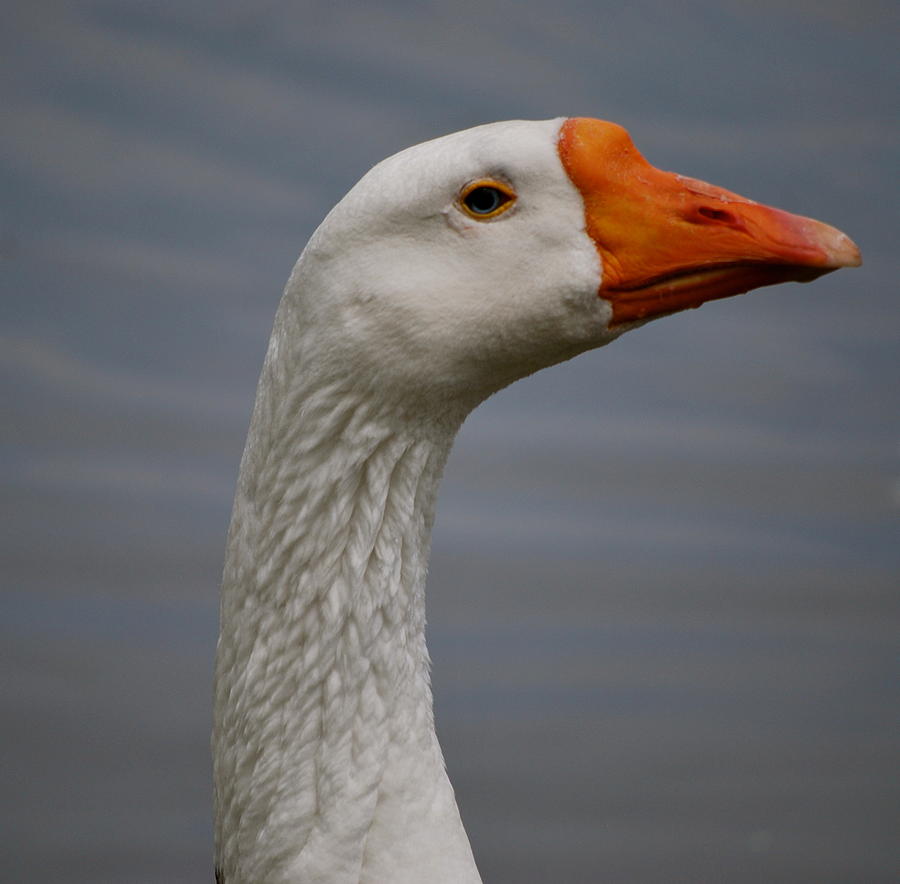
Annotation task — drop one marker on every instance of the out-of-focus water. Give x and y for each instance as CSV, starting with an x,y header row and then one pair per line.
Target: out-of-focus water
x,y
663,596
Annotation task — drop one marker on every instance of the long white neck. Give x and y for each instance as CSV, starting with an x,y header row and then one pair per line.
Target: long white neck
x,y
327,766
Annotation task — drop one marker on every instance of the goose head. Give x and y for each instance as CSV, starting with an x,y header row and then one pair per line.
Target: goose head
x,y
463,263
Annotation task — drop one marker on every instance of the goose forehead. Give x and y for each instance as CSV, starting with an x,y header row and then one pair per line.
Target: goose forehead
x,y
520,149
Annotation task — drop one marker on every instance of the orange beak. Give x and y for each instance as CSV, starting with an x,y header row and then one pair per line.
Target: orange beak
x,y
667,242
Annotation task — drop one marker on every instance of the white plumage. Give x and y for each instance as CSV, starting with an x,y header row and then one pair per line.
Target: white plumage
x,y
408,307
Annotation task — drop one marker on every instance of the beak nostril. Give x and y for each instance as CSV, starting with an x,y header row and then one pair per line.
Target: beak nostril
x,y
722,216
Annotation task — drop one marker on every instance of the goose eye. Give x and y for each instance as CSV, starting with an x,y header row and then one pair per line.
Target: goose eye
x,y
486,199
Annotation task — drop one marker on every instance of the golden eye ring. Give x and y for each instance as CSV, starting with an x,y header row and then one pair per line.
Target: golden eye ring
x,y
486,198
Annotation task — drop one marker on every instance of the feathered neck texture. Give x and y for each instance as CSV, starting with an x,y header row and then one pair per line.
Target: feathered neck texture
x,y
327,767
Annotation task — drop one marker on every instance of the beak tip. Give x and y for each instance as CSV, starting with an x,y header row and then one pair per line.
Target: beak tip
x,y
840,250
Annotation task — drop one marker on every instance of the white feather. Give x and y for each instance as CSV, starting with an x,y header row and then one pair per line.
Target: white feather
x,y
401,315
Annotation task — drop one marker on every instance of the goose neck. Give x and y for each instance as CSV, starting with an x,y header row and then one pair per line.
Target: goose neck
x,y
324,743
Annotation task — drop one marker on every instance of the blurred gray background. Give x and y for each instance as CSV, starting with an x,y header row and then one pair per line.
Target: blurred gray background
x,y
663,597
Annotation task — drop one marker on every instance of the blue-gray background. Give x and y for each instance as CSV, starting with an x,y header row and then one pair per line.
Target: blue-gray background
x,y
663,598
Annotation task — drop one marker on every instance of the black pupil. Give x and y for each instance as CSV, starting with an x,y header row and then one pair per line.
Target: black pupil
x,y
484,200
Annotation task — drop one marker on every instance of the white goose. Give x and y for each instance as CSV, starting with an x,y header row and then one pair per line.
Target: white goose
x,y
449,271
